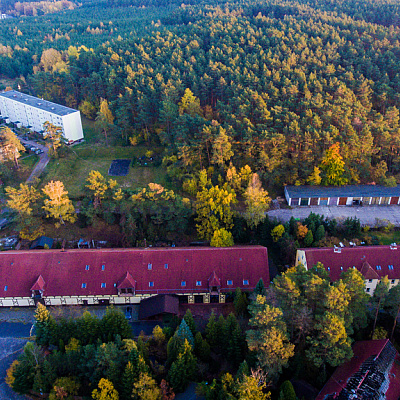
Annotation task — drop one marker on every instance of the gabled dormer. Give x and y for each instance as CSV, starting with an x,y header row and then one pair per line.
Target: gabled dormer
x,y
126,285
368,272
38,288
214,283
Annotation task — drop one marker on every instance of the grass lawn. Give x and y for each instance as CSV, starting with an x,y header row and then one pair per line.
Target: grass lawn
x,y
387,238
74,169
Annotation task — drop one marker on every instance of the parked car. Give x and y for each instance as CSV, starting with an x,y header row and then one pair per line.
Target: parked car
x,y
39,151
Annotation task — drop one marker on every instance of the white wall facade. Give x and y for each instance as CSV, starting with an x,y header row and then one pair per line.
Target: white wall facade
x,y
35,117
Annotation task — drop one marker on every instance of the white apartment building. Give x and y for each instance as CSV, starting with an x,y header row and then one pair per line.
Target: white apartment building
x,y
33,112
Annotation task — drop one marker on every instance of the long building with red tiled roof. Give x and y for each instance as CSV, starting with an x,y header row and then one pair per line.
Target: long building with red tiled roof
x,y
372,373
374,262
125,276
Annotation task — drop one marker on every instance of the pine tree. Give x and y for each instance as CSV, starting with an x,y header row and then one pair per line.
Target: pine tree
x,y
287,391
212,333
184,332
183,370
129,377
240,303
190,321
44,325
259,289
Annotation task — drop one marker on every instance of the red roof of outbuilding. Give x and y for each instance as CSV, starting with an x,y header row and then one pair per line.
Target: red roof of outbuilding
x,y
172,270
383,260
362,351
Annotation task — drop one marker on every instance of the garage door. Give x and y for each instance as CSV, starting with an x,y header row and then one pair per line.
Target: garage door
x,y
333,201
394,200
385,200
304,202
295,201
375,200
366,201
314,201
342,201
323,201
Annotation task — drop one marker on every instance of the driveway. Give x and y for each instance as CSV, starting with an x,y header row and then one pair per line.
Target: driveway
x,y
373,216
43,159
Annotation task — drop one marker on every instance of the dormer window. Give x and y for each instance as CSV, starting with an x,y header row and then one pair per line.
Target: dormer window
x,y
149,266
183,283
5,288
103,285
198,283
103,267
83,285
245,282
87,268
229,283
390,267
378,267
151,284
166,266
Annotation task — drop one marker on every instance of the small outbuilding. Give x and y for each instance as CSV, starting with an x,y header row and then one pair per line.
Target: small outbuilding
x,y
157,306
351,195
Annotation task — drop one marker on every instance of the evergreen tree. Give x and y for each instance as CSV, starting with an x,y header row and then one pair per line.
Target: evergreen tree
x,y
287,391
183,370
184,333
188,317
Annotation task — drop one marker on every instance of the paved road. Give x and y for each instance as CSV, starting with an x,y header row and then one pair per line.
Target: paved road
x,y
43,160
12,340
368,215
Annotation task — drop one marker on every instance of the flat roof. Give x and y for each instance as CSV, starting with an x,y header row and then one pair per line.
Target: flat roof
x,y
38,103
343,191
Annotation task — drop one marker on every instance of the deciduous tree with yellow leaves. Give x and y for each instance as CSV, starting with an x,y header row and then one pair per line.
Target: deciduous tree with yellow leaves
x,y
58,205
213,207
53,135
10,146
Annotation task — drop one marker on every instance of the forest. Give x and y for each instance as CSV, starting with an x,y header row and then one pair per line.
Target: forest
x,y
285,81
301,327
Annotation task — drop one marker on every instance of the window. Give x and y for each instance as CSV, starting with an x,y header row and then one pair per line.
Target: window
x,y
368,290
393,281
87,267
103,285
245,281
390,267
83,285
378,268
229,282
151,284
5,288
149,266
183,283
198,283
103,267
370,280
329,268
341,268
166,266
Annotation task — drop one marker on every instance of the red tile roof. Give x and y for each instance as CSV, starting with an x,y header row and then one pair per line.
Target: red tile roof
x,y
362,351
173,270
383,260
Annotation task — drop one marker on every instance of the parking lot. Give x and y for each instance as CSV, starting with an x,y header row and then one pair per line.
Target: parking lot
x,y
373,216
